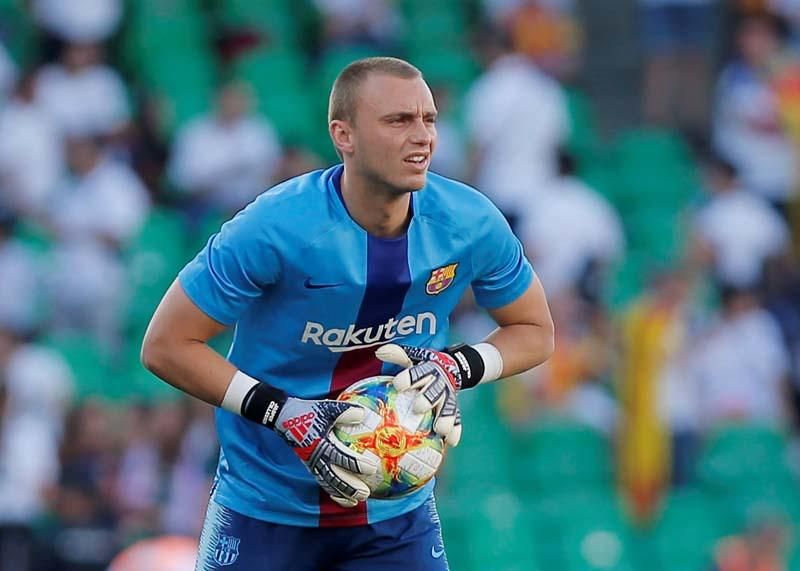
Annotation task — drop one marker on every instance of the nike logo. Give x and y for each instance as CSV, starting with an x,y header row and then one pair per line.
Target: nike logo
x,y
309,285
436,553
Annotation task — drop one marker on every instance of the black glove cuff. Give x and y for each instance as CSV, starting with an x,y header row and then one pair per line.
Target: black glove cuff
x,y
263,404
470,364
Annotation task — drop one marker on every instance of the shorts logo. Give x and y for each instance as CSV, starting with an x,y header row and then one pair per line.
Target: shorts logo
x,y
227,550
440,279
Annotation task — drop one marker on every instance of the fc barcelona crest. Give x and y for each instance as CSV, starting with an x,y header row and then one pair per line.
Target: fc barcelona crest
x,y
440,279
227,550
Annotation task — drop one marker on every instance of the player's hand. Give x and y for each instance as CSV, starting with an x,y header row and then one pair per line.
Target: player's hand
x,y
436,376
307,426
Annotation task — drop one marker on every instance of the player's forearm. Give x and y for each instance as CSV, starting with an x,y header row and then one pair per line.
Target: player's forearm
x,y
191,366
522,346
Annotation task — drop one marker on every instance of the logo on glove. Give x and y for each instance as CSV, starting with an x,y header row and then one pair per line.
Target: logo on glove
x,y
299,425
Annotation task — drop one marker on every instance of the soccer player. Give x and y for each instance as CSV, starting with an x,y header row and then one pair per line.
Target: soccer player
x,y
329,278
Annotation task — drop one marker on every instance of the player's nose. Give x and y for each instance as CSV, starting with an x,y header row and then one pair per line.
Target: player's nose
x,y
421,134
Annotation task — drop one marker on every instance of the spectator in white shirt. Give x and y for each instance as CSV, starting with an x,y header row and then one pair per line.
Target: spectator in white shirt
x,y
35,389
20,283
737,232
82,95
224,160
31,161
747,125
94,214
570,228
79,20
103,201
741,368
516,118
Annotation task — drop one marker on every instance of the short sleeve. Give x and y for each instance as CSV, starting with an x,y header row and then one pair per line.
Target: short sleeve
x,y
234,268
501,271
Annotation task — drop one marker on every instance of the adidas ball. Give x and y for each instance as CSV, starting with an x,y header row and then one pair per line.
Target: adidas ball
x,y
410,452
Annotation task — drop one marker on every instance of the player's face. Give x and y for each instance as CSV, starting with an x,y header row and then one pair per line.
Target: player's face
x,y
394,132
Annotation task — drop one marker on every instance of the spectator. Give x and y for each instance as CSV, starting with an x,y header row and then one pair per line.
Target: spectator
x,y
741,367
748,129
20,286
31,161
516,118
570,229
374,23
223,161
35,389
737,232
80,535
80,21
678,37
104,200
83,96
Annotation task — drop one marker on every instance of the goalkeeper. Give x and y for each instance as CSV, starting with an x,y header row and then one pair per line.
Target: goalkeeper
x,y
329,278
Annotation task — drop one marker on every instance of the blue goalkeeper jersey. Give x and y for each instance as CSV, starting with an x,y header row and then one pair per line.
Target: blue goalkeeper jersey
x,y
311,295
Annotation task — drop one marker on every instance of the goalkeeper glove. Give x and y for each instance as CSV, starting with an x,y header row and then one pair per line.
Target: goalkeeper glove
x,y
306,425
439,375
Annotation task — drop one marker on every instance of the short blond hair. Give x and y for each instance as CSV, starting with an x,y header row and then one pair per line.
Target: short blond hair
x,y
344,93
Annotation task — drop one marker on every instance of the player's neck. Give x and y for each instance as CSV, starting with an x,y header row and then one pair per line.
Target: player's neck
x,y
379,211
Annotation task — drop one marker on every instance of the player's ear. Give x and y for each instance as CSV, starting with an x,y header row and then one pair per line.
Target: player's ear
x,y
341,134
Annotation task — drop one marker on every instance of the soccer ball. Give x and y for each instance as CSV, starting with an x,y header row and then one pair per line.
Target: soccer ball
x,y
409,451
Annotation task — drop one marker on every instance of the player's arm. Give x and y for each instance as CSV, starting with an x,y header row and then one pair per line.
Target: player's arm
x,y
175,348
525,336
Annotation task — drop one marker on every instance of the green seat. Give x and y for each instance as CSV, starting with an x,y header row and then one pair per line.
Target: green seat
x,y
560,456
19,32
454,68
153,260
583,140
435,28
89,363
740,457
498,533
655,166
657,231
272,68
484,453
762,500
686,531
590,527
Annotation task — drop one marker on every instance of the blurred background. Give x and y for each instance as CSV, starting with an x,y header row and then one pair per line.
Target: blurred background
x,y
645,152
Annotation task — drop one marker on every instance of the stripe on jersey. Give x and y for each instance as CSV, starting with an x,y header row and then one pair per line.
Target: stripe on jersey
x,y
388,280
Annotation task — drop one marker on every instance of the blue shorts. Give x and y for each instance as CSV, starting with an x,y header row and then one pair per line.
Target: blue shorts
x,y
411,541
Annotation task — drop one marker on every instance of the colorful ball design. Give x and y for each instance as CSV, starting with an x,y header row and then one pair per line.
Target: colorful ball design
x,y
409,451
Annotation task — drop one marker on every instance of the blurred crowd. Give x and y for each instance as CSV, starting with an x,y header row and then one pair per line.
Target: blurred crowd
x,y
90,155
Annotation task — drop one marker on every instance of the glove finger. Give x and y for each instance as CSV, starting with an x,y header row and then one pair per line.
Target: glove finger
x,y
447,415
454,437
365,463
345,502
347,480
354,414
417,377
395,354
430,396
